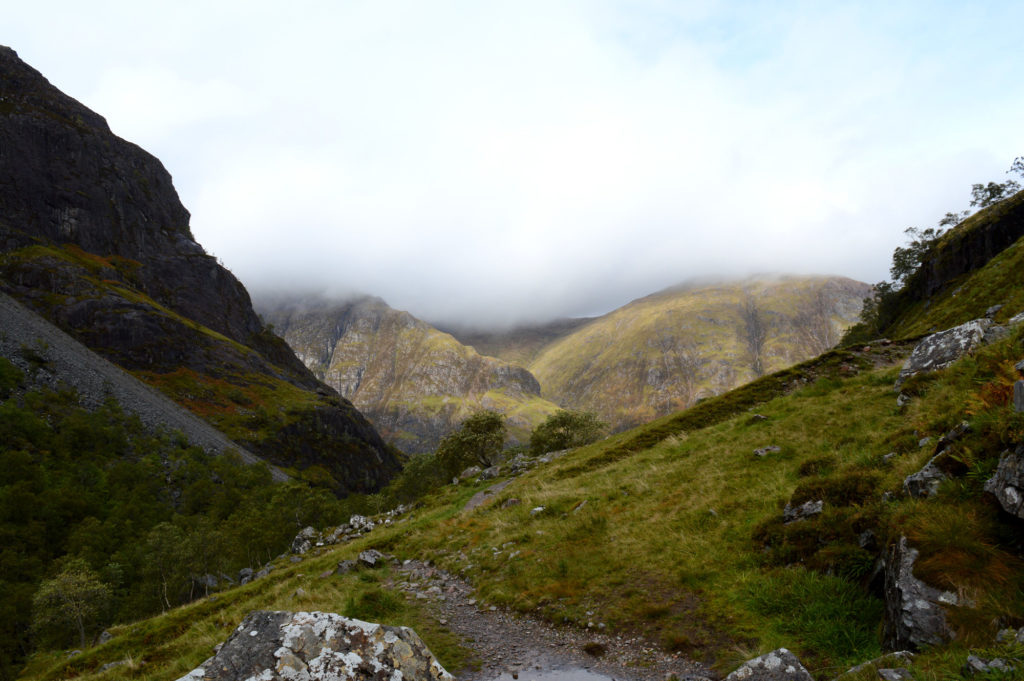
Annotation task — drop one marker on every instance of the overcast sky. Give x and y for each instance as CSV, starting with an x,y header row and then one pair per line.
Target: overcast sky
x,y
518,160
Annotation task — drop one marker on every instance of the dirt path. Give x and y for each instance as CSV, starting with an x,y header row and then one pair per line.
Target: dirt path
x,y
516,645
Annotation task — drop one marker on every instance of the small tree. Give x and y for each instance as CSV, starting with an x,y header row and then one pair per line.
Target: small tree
x,y
479,440
565,429
984,195
74,599
754,333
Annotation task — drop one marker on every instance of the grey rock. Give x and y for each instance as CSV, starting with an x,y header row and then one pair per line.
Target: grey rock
x,y
805,510
778,665
924,442
886,458
902,657
361,523
112,665
977,665
765,451
941,349
924,483
371,558
274,646
995,333
245,575
902,400
105,636
489,473
295,559
1006,635
952,436
895,674
304,540
914,611
470,472
264,571
1018,396
993,311
1007,484
1019,366
345,567
1016,320
536,510
509,503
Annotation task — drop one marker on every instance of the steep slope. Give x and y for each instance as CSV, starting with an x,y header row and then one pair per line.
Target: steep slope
x,y
414,382
974,266
94,238
674,534
664,352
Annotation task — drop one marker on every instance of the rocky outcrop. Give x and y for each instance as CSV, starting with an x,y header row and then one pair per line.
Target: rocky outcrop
x,y
778,665
914,611
319,646
414,382
964,250
1007,484
94,238
941,349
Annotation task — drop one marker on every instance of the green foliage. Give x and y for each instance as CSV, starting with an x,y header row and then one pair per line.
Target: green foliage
x,y
479,440
144,515
10,377
833,618
70,603
421,474
566,429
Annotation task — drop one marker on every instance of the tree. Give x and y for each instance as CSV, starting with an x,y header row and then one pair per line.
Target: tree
x,y
565,429
908,259
479,440
984,195
74,598
754,333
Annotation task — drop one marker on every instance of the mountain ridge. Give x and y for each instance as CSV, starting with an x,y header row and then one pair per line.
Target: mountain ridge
x,y
94,238
414,382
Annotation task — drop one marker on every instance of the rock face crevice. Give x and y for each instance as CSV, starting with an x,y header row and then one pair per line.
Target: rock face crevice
x,y
915,614
94,238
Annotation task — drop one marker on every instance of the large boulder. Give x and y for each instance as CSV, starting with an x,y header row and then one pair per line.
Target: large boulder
x,y
915,613
1007,484
778,665
941,349
319,646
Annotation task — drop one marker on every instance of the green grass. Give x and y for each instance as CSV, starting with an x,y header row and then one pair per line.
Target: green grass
x,y
673,531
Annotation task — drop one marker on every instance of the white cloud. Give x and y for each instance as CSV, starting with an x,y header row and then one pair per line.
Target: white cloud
x,y
499,160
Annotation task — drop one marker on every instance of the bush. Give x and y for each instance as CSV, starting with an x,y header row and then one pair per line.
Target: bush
x,y
565,429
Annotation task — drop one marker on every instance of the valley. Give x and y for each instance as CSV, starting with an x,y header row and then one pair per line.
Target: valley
x,y
786,479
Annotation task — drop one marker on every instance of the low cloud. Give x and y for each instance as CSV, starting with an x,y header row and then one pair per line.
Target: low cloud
x,y
501,162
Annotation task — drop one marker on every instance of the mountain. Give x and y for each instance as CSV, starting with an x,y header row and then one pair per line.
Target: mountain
x,y
520,344
788,512
94,238
664,352
414,382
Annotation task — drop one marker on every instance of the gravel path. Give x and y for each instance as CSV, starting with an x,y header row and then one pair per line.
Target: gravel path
x,y
510,645
66,361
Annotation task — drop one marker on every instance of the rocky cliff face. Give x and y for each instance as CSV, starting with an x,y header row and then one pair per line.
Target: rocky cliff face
x,y
664,352
414,382
93,236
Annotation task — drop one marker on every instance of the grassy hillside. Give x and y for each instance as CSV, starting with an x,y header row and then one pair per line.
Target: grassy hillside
x,y
664,352
673,530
